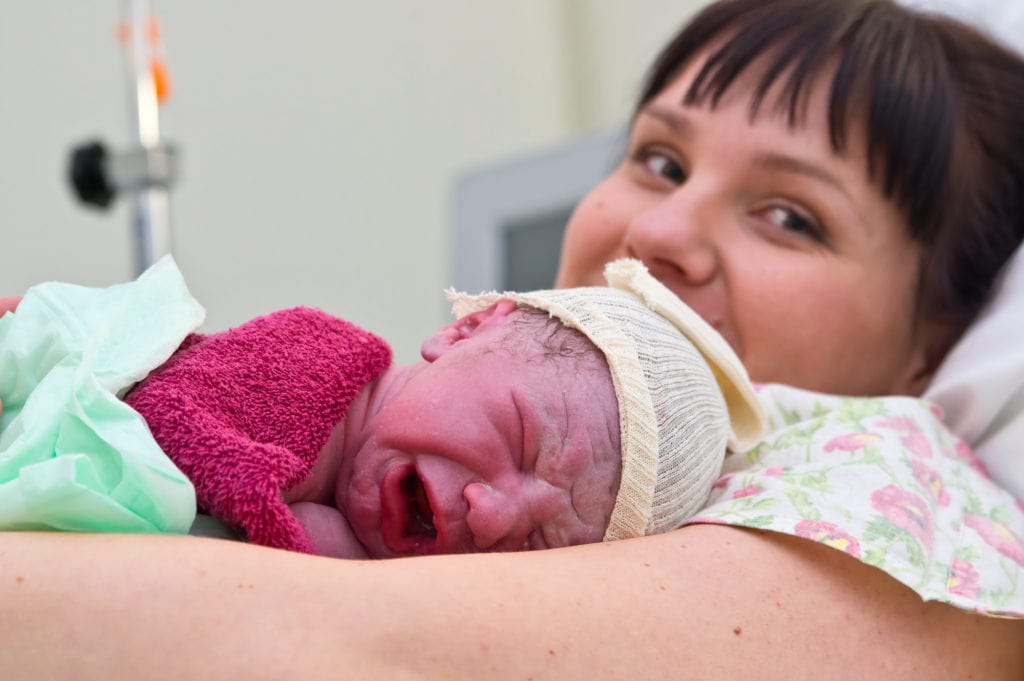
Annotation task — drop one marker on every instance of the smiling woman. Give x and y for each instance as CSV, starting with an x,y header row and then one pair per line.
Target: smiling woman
x,y
781,230
871,239
766,235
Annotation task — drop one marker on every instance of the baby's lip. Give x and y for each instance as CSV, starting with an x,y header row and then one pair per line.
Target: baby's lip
x,y
408,512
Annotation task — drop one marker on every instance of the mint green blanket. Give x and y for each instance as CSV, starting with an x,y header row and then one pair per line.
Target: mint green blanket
x,y
73,456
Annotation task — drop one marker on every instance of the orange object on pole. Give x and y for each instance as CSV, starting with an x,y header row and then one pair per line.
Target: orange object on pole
x,y
157,64
161,81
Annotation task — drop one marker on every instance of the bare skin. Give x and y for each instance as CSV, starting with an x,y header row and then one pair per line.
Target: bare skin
x,y
738,597
9,304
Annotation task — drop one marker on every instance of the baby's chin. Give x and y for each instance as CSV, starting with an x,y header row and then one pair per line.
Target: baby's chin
x,y
378,522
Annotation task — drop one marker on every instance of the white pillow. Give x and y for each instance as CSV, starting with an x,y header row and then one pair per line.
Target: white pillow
x,y
980,385
1002,18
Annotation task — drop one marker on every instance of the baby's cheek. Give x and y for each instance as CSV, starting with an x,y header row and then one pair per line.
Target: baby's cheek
x,y
594,507
591,483
566,519
580,491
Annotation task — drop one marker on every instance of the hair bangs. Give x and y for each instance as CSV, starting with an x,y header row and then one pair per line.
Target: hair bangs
x,y
887,72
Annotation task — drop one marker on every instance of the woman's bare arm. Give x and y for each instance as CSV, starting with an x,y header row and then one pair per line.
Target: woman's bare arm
x,y
703,602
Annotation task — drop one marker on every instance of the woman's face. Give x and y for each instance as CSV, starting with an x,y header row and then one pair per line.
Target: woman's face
x,y
786,248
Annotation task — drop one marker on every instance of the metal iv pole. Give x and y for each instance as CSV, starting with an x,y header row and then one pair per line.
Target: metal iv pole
x,y
152,220
148,169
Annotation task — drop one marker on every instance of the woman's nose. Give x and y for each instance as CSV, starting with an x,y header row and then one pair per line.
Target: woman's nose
x,y
676,232
497,519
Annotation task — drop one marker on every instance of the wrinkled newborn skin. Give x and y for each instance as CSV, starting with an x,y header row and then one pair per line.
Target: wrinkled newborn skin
x,y
503,439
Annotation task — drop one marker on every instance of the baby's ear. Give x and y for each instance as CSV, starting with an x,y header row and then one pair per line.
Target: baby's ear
x,y
464,327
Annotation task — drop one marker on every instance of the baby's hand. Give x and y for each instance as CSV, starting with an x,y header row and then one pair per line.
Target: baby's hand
x,y
9,304
327,527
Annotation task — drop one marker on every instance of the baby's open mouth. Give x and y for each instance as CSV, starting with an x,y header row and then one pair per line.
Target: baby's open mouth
x,y
407,517
420,521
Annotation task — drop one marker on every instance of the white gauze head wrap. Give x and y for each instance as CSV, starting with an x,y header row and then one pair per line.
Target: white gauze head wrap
x,y
683,395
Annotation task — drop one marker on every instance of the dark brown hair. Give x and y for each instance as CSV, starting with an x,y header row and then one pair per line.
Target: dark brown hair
x,y
942,106
554,339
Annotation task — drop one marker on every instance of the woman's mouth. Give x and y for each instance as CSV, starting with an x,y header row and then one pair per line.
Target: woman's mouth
x,y
407,516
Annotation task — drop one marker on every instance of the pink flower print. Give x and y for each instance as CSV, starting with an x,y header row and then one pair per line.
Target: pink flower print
x,y
907,510
998,536
851,442
723,481
931,481
748,491
963,579
911,436
827,533
967,454
774,471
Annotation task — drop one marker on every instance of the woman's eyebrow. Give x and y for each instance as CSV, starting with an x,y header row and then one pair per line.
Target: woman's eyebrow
x,y
675,121
789,164
680,124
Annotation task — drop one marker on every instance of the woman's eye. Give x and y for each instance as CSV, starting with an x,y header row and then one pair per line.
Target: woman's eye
x,y
789,220
662,165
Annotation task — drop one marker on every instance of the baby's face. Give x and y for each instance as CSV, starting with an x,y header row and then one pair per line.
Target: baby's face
x,y
496,443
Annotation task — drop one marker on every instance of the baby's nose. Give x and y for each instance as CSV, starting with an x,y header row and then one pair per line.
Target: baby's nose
x,y
497,519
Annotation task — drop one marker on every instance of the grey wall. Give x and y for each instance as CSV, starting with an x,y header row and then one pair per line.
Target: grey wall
x,y
319,138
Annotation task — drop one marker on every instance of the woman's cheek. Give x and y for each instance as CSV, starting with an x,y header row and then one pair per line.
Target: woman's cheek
x,y
593,237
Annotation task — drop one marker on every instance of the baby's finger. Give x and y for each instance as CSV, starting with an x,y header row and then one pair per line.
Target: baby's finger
x,y
9,304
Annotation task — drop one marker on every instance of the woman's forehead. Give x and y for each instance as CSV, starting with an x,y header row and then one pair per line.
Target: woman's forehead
x,y
803,133
766,96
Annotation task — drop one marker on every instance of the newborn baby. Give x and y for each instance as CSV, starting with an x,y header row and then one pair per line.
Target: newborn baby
x,y
534,420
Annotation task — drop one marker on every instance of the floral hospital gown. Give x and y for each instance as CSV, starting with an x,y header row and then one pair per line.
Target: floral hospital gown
x,y
883,480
